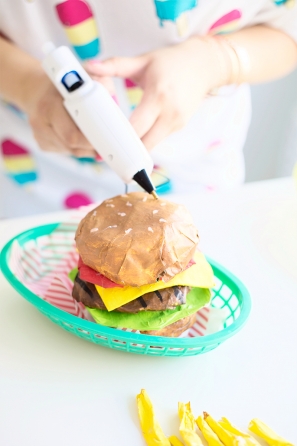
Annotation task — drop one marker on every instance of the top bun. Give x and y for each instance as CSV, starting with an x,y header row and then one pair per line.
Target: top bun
x,y
134,239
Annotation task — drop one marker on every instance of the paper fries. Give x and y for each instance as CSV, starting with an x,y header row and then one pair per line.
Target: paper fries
x,y
208,434
259,428
248,440
174,441
187,425
226,437
216,433
151,429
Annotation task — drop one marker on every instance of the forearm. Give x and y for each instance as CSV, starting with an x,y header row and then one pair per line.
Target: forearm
x,y
18,73
252,55
264,53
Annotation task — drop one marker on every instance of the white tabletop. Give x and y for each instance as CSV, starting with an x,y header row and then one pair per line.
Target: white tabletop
x,y
57,389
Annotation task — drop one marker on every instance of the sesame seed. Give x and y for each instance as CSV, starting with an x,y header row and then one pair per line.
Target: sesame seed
x,y
122,214
155,211
163,204
144,198
128,203
128,230
150,229
94,213
94,230
108,201
162,220
114,226
110,205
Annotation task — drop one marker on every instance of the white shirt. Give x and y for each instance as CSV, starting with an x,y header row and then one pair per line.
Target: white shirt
x,y
207,153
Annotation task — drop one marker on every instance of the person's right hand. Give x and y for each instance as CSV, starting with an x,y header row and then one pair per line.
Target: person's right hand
x,y
24,83
53,128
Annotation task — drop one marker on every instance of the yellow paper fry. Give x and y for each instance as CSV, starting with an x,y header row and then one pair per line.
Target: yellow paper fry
x,y
262,430
174,441
208,433
152,432
225,436
187,425
248,440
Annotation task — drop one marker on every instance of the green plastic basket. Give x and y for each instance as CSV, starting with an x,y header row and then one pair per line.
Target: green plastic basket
x,y
229,292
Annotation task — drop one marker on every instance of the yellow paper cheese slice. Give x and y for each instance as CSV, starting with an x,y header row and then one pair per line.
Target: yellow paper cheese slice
x,y
199,275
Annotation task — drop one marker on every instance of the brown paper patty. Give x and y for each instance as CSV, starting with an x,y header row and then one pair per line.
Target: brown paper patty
x,y
165,299
135,240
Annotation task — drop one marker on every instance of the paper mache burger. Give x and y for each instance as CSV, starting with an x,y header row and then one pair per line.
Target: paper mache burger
x,y
139,267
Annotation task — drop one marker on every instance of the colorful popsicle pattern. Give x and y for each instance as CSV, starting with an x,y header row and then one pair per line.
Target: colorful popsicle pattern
x,y
228,23
173,9
160,180
76,199
80,27
18,162
159,176
134,93
288,3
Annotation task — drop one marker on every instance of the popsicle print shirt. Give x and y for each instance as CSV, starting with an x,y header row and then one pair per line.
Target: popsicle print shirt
x,y
206,154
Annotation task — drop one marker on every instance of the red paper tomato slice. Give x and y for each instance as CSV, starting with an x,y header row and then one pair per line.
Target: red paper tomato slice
x,y
90,275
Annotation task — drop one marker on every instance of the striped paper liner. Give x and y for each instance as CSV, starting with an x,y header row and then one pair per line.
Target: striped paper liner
x,y
43,265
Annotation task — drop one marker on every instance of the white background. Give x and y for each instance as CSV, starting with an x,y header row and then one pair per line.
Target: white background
x,y
271,146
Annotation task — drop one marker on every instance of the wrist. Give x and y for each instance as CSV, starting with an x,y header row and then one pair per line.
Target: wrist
x,y
217,64
222,65
34,83
18,71
234,61
227,62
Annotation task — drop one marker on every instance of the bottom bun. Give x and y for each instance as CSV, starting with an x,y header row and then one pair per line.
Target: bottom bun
x,y
174,330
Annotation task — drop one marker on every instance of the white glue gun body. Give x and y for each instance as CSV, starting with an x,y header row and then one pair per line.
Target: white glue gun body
x,y
99,118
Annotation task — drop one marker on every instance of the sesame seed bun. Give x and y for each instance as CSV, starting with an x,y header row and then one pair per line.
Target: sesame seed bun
x,y
135,240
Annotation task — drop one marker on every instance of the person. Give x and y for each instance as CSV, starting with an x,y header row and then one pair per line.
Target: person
x,y
179,69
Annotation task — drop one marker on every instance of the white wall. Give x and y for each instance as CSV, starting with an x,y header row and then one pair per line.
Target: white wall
x,y
271,146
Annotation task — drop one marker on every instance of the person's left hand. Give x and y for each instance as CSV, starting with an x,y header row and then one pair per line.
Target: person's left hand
x,y
174,81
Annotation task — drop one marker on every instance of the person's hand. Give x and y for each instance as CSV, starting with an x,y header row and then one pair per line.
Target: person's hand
x,y
53,128
174,81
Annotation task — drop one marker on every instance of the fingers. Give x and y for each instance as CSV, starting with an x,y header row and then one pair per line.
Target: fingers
x,y
169,120
159,131
49,141
117,66
145,114
83,153
52,126
106,81
61,135
66,130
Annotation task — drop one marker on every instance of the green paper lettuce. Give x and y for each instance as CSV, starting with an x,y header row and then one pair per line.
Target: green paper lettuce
x,y
73,273
153,320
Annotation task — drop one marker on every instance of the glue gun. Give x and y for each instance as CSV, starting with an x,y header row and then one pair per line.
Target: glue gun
x,y
99,118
